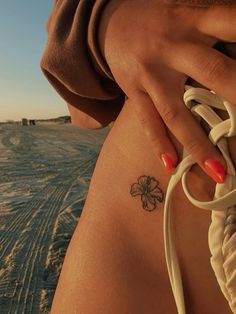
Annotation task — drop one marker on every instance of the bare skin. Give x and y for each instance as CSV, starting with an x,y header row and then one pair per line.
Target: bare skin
x,y
115,262
151,48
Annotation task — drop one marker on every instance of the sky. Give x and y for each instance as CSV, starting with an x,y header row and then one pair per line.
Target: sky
x,y
24,91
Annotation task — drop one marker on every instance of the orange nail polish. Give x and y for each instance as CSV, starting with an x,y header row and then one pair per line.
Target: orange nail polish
x,y
215,170
168,162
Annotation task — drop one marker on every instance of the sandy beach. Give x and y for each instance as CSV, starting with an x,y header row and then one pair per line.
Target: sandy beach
x,y
45,172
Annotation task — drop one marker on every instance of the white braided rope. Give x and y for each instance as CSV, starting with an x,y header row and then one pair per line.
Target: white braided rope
x,y
200,102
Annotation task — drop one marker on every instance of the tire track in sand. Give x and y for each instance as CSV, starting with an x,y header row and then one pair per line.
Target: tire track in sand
x,y
23,298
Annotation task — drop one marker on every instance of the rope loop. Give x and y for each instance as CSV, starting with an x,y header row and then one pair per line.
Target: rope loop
x,y
201,103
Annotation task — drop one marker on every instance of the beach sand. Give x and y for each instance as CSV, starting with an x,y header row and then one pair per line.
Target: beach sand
x,y
45,172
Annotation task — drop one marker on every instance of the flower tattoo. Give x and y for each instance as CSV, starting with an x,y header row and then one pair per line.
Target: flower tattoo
x,y
148,188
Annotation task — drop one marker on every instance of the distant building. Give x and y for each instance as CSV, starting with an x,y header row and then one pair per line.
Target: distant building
x,y
10,121
31,122
60,120
64,119
24,122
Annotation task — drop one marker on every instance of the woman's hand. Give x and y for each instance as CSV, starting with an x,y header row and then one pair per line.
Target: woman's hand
x,y
151,49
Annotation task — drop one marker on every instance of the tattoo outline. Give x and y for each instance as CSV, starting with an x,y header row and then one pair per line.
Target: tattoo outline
x,y
149,191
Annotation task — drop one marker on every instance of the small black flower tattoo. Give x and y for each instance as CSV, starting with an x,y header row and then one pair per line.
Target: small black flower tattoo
x,y
148,188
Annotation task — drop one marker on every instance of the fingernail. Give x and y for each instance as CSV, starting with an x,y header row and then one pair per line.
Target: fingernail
x,y
215,170
168,162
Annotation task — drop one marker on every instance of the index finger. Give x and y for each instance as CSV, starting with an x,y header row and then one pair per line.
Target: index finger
x,y
207,66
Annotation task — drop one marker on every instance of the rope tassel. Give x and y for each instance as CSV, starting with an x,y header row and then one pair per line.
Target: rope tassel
x,y
221,235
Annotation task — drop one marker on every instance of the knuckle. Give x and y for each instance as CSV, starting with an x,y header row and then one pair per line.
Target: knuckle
x,y
215,69
170,114
146,70
144,121
193,147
